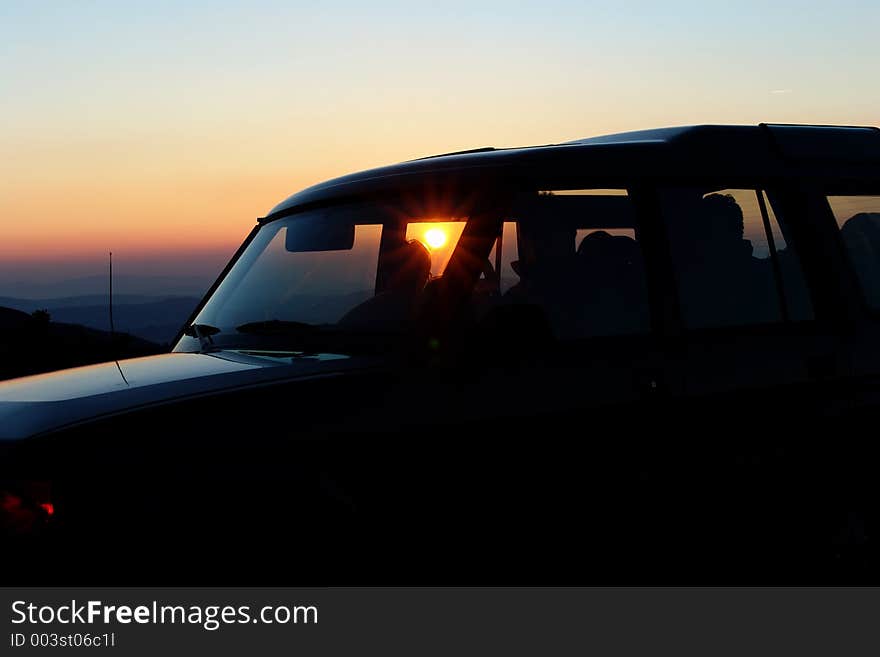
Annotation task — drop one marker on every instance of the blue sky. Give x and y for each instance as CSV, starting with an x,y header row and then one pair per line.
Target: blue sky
x,y
171,125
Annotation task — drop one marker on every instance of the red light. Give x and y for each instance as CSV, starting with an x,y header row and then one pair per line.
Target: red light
x,y
49,508
10,502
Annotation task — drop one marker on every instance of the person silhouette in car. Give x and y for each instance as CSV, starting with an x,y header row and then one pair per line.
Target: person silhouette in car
x,y
394,307
720,281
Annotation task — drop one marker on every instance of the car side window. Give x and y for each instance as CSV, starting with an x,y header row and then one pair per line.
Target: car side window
x,y
858,217
733,263
572,259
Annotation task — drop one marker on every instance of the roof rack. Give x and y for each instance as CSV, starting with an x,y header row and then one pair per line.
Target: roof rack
x,y
485,149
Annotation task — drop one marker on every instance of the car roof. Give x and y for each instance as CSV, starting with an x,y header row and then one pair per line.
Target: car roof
x,y
697,150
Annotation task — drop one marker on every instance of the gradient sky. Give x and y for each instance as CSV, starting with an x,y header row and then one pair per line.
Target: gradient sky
x,y
168,128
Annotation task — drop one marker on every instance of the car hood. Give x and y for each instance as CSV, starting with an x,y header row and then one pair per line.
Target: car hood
x,y
36,404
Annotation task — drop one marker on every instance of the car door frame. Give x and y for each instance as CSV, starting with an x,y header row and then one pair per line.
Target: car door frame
x,y
551,386
779,368
859,323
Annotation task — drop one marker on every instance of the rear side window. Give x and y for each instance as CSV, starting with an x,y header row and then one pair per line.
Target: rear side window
x,y
574,259
734,264
859,220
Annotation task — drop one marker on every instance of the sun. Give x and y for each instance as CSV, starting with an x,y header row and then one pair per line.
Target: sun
x,y
435,237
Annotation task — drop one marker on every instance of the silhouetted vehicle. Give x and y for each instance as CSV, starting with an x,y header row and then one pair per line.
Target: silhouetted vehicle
x,y
650,356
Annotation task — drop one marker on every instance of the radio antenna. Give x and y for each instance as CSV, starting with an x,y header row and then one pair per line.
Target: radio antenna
x,y
112,330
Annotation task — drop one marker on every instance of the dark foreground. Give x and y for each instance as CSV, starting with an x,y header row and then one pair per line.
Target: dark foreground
x,y
613,502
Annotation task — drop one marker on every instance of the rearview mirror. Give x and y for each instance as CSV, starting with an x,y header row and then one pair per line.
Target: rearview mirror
x,y
319,233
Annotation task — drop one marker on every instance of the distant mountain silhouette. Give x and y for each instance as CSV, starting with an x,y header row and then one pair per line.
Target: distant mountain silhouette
x,y
30,345
166,286
151,318
30,304
12,319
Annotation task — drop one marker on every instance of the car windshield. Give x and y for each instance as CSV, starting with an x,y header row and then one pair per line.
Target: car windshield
x,y
334,280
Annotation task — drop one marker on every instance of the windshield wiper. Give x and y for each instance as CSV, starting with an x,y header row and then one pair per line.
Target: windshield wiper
x,y
312,338
279,327
203,332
